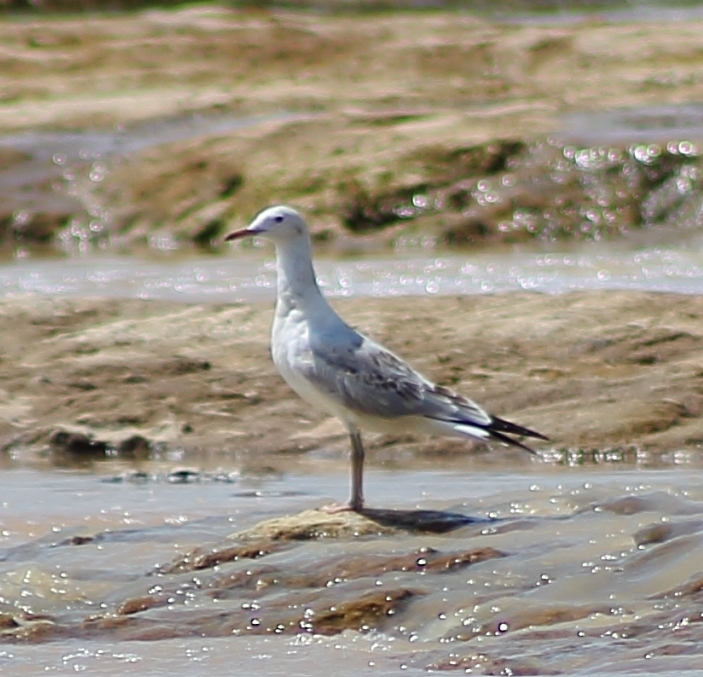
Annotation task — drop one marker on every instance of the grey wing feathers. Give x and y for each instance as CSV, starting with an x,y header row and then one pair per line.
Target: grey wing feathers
x,y
366,378
457,408
370,379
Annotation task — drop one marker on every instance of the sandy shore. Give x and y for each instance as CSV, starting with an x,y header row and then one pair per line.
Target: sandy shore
x,y
595,371
392,105
79,71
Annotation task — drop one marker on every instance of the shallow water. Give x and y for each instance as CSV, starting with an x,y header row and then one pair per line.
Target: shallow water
x,y
599,572
66,147
649,124
249,274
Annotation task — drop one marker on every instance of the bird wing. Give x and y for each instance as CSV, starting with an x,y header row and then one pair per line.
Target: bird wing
x,y
365,377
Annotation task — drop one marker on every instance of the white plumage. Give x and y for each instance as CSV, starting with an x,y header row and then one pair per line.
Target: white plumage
x,y
337,369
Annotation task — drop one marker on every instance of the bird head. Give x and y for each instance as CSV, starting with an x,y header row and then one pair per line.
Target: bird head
x,y
279,224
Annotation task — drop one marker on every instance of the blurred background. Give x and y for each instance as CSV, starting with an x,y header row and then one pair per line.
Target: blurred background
x,y
128,127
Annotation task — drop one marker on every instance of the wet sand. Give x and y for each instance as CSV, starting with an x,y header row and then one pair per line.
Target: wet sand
x,y
596,371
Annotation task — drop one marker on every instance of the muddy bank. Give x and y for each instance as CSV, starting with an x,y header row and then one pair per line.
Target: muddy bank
x,y
401,150
604,374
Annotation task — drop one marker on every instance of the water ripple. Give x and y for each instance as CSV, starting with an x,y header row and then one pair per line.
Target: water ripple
x,y
250,276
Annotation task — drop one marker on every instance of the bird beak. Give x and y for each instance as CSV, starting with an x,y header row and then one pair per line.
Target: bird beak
x,y
238,234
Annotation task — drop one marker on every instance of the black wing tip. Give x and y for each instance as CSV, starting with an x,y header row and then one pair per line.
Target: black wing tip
x,y
509,441
498,428
500,425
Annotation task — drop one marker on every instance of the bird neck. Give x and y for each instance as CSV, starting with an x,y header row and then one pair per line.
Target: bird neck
x,y
297,285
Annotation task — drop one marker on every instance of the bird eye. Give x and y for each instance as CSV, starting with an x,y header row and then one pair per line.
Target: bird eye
x,y
278,219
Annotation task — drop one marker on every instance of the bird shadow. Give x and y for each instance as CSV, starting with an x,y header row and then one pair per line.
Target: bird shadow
x,y
426,521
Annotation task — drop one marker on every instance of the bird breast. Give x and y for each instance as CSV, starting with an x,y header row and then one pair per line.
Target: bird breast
x,y
290,350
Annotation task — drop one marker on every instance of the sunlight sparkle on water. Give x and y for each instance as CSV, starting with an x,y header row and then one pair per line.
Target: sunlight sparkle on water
x,y
251,276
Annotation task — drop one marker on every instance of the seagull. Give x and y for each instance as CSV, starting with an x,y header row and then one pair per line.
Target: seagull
x,y
339,370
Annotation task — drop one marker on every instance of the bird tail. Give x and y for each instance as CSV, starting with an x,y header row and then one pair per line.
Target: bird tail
x,y
502,426
499,429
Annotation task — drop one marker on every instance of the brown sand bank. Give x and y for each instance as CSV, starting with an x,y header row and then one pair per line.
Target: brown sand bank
x,y
394,105
91,70
596,370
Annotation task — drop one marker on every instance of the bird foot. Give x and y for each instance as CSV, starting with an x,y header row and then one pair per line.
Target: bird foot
x,y
336,508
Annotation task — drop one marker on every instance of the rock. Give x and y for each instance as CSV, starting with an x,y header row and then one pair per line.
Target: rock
x,y
313,524
27,626
207,559
68,443
137,604
136,446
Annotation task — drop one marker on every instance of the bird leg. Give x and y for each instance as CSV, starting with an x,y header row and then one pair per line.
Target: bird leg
x,y
356,502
